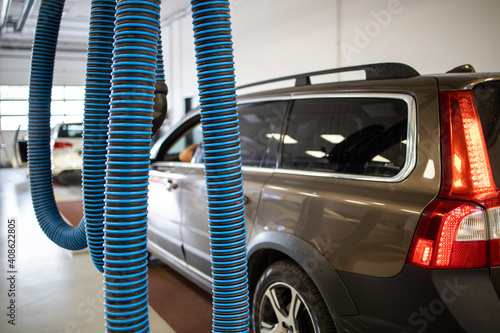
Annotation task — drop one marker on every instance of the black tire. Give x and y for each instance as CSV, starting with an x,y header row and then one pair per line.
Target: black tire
x,y
285,281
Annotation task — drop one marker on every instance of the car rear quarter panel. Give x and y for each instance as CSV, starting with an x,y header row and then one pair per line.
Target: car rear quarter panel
x,y
360,226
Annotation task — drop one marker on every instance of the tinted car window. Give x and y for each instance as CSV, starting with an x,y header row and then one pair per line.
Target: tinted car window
x,y
260,130
359,136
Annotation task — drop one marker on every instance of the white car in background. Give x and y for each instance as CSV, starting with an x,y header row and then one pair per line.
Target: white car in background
x,y
67,151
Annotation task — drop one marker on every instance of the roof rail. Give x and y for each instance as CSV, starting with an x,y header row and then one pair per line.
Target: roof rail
x,y
380,71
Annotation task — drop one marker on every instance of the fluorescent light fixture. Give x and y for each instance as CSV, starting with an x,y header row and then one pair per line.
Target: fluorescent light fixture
x,y
316,153
276,136
379,158
333,138
289,140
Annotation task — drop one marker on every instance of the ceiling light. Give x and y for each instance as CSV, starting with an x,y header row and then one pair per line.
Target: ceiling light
x,y
316,153
379,158
288,139
333,138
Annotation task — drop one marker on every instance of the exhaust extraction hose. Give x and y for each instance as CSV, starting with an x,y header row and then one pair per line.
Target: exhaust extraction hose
x,y
95,130
224,180
133,84
136,83
40,91
97,99
114,175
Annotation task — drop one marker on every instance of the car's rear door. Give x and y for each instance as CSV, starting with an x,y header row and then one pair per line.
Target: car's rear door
x,y
260,131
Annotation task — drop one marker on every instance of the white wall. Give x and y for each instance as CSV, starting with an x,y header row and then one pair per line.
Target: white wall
x,y
282,37
68,71
180,67
276,38
271,38
432,36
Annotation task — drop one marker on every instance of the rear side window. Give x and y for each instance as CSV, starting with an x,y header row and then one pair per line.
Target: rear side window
x,y
354,136
260,129
70,131
487,97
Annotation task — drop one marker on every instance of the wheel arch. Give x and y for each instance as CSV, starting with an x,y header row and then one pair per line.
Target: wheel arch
x,y
271,246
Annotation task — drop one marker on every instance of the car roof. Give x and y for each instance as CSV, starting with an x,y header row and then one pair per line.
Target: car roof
x,y
378,77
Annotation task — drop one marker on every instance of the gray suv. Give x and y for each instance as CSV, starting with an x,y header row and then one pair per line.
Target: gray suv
x,y
371,205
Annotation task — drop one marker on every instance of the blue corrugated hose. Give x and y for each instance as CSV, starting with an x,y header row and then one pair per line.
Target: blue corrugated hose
x,y
129,139
41,77
96,113
116,174
221,143
97,99
128,55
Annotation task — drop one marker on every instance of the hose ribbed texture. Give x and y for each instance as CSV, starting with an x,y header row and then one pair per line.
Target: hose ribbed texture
x,y
41,78
221,143
160,65
95,133
130,124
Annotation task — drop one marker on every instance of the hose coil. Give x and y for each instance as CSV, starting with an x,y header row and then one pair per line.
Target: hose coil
x,y
39,165
96,113
135,68
116,176
128,158
221,144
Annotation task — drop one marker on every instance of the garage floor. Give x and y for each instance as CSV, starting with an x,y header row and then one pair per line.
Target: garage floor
x,y
61,291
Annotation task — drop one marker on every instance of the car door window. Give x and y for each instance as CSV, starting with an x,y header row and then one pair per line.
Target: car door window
x,y
184,147
260,130
260,126
358,136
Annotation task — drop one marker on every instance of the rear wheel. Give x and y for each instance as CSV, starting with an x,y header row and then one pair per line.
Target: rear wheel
x,y
287,301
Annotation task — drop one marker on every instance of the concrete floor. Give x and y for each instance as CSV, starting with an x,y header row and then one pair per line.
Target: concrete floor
x,y
55,290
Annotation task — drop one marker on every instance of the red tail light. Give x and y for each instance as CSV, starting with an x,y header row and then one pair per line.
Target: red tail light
x,y
60,145
451,234
456,230
466,167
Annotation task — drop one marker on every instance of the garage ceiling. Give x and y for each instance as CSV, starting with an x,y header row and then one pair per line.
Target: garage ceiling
x,y
18,23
